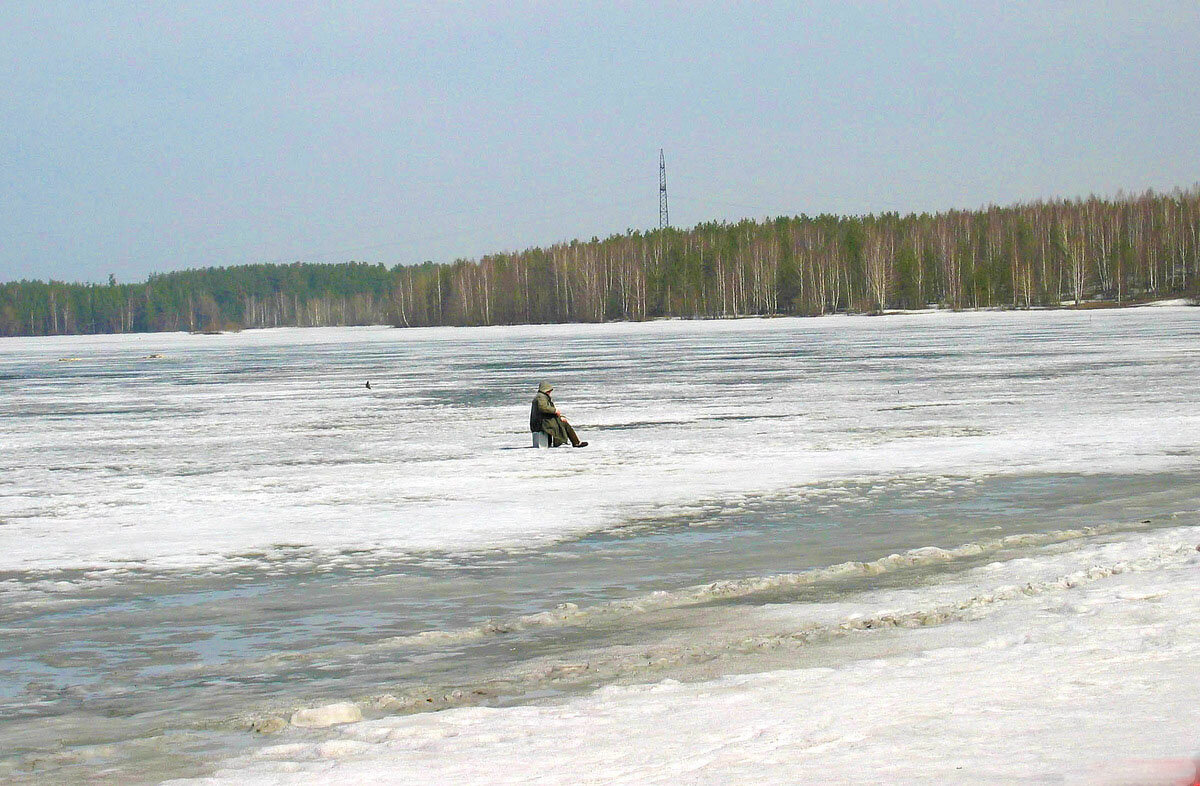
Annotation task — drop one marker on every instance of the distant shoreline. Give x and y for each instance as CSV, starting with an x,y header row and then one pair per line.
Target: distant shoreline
x,y
1093,253
1182,302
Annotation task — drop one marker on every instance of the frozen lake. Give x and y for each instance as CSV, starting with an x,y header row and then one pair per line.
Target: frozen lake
x,y
199,532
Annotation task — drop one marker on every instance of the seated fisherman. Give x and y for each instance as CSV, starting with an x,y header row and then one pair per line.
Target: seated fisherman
x,y
545,417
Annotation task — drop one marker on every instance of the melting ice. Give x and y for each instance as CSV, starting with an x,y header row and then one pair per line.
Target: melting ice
x,y
200,532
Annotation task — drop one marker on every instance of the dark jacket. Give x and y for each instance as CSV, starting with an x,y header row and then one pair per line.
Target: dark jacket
x,y
543,409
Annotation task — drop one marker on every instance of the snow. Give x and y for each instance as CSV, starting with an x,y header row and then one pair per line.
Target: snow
x,y
1073,661
1172,302
328,715
1075,667
266,447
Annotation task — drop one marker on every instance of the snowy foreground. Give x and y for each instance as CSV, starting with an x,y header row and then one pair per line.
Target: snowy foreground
x,y
1076,668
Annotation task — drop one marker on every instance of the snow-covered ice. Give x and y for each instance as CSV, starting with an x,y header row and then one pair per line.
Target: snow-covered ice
x,y
252,442
797,550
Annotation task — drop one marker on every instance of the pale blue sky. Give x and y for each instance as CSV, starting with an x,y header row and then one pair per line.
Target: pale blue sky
x,y
143,137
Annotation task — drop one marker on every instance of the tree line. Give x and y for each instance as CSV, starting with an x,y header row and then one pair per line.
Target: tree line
x,y
1032,254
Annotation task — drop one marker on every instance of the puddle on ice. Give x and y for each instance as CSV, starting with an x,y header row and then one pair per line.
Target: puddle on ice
x,y
177,654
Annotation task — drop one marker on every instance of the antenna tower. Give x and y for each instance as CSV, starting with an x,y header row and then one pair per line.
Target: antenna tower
x,y
663,221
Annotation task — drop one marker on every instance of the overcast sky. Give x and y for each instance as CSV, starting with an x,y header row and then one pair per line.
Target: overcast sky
x,y
145,137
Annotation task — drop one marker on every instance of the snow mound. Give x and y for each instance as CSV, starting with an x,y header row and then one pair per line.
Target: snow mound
x,y
329,715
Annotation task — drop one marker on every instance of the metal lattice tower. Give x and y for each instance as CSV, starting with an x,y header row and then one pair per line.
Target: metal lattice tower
x,y
663,220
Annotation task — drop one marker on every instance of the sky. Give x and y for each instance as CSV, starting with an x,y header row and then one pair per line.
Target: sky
x,y
140,137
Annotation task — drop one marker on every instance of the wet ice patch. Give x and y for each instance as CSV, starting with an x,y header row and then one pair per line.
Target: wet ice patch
x,y
1014,696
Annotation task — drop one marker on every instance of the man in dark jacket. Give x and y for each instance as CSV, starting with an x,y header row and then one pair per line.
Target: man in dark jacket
x,y
545,417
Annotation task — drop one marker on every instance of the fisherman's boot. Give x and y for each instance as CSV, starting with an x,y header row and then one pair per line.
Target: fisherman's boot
x,y
571,435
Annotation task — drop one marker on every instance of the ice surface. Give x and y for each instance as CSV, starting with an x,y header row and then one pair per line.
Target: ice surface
x,y
265,444
241,527
329,715
1069,667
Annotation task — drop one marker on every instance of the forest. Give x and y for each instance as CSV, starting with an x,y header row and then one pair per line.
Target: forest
x,y
1049,253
